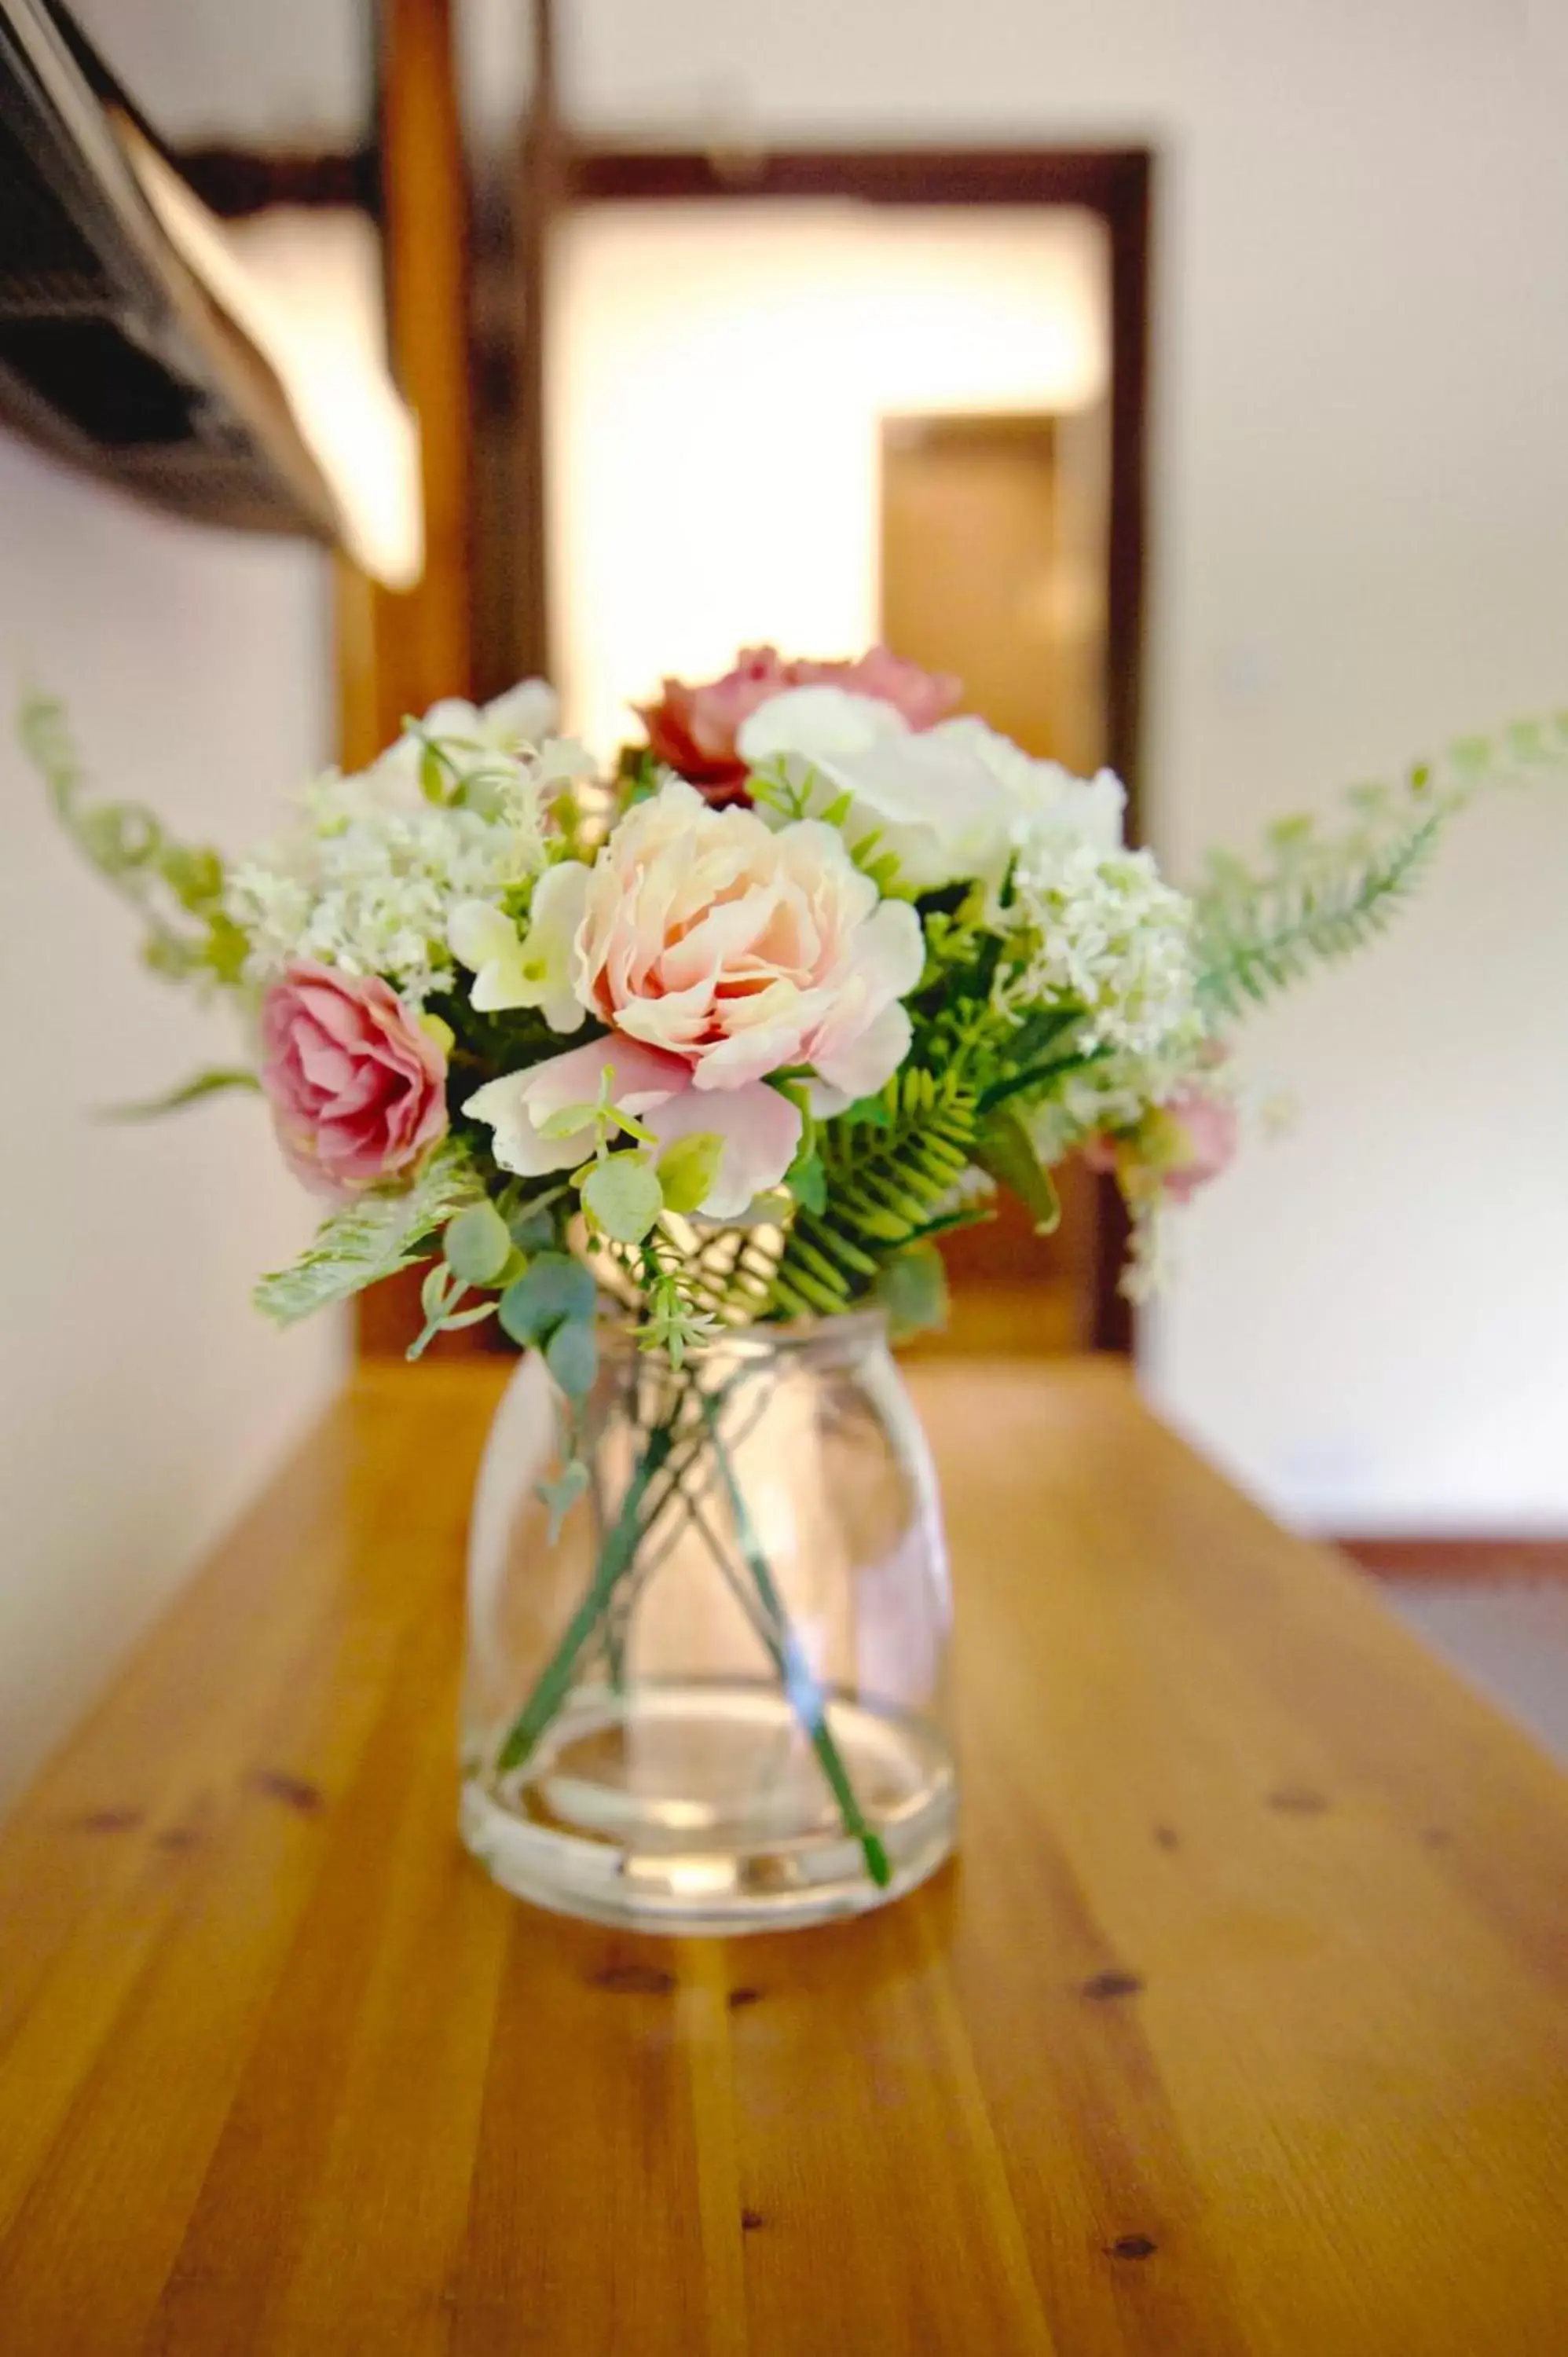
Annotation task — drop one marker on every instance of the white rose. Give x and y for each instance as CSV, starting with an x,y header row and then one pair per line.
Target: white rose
x,y
931,801
1044,799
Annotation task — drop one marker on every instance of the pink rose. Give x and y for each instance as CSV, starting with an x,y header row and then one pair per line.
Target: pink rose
x,y
357,1090
719,951
920,697
1207,1132
1178,1148
696,729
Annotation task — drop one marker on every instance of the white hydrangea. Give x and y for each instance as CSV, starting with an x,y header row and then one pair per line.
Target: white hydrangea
x,y
370,880
369,885
1101,930
1105,1097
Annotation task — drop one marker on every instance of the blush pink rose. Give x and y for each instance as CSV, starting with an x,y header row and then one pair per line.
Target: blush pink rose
x,y
357,1090
718,952
741,949
1181,1147
922,698
1207,1132
696,729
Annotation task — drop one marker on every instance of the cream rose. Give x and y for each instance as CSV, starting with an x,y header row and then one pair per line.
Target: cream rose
x,y
719,951
951,803
743,951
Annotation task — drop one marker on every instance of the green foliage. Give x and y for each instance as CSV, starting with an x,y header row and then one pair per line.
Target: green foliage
x,y
1321,896
551,1306
623,1195
807,1180
441,1297
1005,1152
1036,1056
553,1288
571,1355
562,1494
177,889
810,795
371,1238
913,1289
688,1167
887,1169
478,1244
192,1092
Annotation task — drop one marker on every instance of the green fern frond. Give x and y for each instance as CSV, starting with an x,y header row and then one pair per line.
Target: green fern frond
x,y
177,889
371,1238
1325,897
1255,940
889,1165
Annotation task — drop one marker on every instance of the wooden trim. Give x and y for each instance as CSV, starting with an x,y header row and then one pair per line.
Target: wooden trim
x,y
541,191
236,182
399,653
1486,1560
1105,179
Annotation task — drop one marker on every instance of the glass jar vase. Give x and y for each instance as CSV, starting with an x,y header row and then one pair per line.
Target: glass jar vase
x,y
710,1694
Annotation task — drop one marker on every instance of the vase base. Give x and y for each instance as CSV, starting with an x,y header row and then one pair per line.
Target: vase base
x,y
700,1808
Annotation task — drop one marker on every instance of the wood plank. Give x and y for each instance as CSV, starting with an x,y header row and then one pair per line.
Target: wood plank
x,y
1239,2025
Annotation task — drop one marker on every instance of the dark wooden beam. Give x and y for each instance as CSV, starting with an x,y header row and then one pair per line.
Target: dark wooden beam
x,y
1104,178
543,185
399,653
236,182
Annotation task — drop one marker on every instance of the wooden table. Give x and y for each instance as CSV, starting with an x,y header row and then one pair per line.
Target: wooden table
x,y
1239,2028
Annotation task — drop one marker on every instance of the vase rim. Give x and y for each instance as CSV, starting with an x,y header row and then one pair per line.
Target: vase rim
x,y
843,1329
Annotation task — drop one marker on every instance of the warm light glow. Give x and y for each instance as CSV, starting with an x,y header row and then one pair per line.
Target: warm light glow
x,y
305,287
718,380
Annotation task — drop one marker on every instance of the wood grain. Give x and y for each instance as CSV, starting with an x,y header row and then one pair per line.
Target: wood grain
x,y
1240,2025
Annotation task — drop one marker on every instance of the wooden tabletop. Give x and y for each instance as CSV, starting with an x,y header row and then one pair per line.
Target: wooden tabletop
x,y
1241,2027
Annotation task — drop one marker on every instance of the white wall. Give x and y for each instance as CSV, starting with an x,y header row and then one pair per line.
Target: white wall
x,y
718,377
1361,545
291,73
142,1400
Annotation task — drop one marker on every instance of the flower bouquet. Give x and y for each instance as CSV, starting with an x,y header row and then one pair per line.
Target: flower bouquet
x,y
681,1075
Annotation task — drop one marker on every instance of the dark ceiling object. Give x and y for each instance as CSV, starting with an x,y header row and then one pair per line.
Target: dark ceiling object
x,y
112,354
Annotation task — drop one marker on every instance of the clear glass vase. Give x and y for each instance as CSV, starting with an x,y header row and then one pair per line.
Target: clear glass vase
x,y
713,1699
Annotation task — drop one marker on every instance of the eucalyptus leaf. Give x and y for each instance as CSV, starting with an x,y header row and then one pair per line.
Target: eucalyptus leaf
x,y
568,1121
478,1244
475,1316
688,1167
562,1494
553,1288
571,1355
624,1196
534,1225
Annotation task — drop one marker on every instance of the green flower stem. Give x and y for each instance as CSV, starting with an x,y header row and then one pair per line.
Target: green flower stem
x,y
615,1558
800,1684
651,1557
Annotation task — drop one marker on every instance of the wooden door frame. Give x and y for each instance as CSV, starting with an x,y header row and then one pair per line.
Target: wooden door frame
x,y
1115,183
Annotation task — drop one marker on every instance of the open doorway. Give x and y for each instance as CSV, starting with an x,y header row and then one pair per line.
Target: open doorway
x,y
865,395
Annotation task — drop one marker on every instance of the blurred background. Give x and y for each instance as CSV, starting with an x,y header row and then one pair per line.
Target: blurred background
x,y
1191,381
